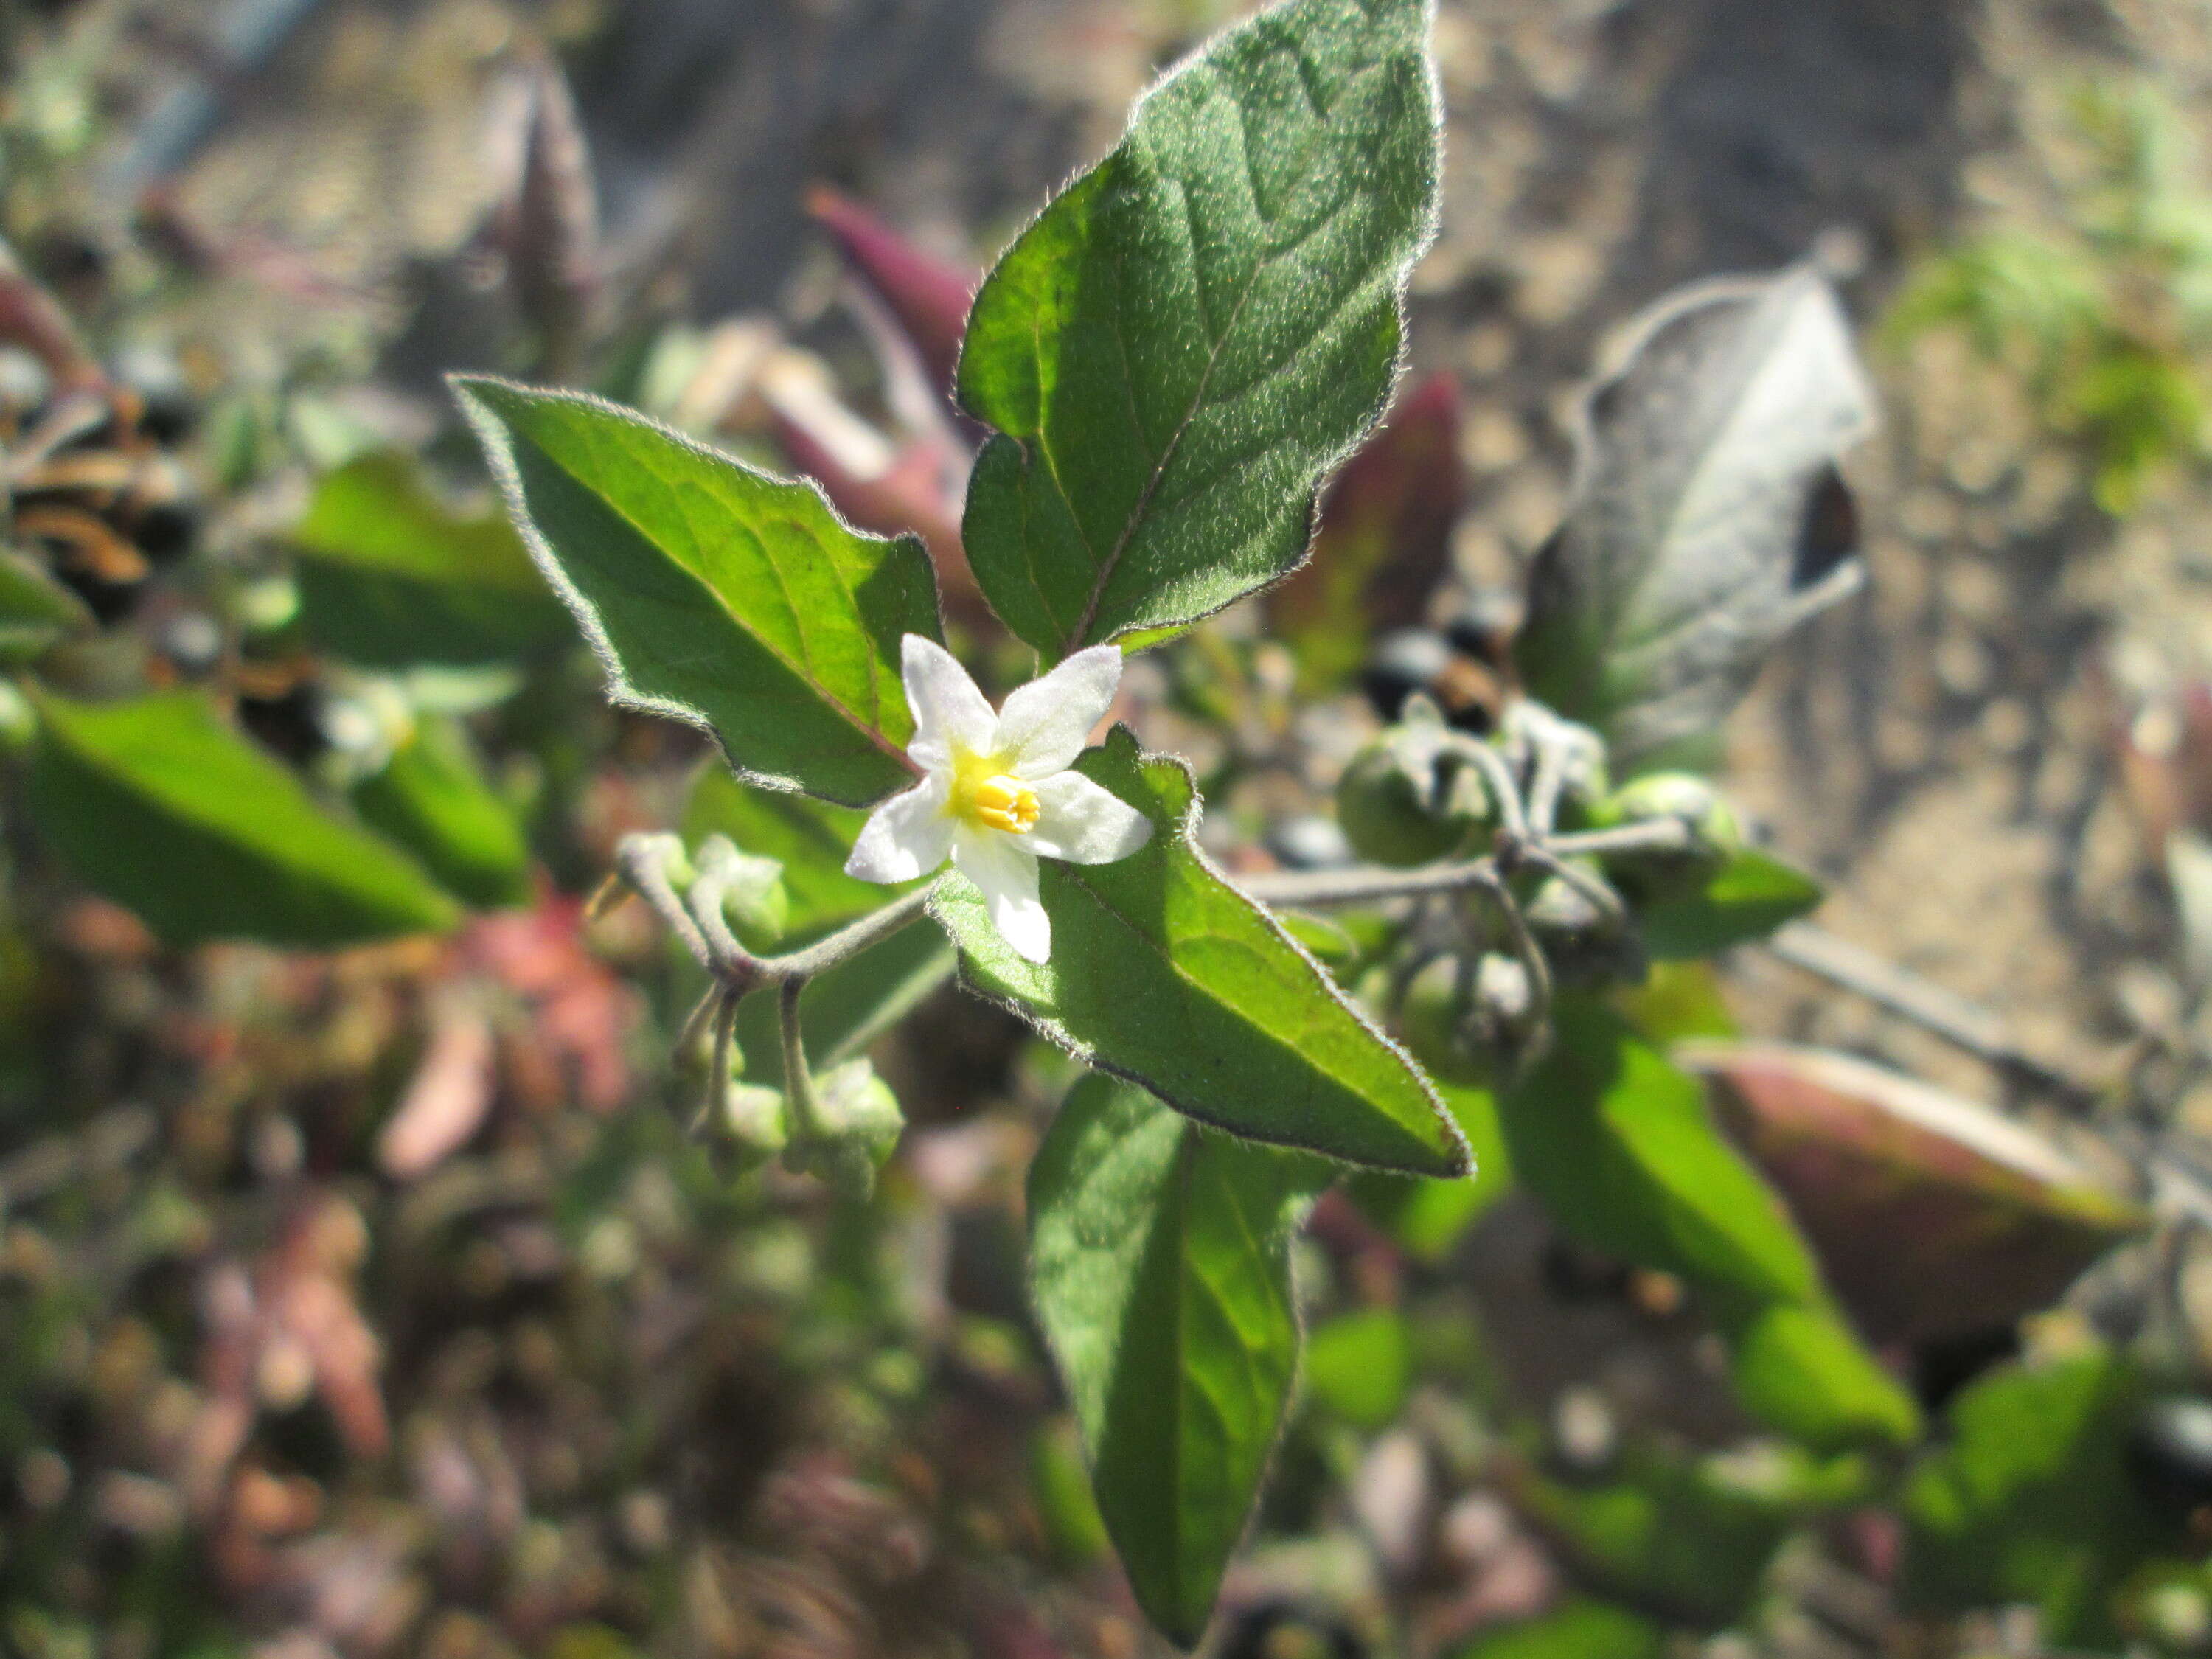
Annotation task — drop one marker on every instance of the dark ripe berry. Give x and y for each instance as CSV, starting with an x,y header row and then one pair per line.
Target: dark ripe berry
x,y
1943,1367
163,511
287,723
167,406
1483,625
1400,663
1308,842
74,265
2170,1453
1574,1274
109,602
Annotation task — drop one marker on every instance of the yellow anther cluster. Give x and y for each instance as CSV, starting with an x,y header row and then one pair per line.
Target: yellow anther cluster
x,y
1005,803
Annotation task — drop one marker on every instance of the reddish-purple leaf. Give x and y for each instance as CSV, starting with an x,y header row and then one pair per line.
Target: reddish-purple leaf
x,y
1932,1216
927,296
30,317
1385,537
548,226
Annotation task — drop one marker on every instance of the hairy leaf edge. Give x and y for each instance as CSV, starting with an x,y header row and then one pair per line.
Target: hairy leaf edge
x,y
1432,222
1461,1166
1295,1214
499,456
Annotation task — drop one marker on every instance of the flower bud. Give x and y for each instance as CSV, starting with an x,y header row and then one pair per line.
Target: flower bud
x,y
855,1128
1412,796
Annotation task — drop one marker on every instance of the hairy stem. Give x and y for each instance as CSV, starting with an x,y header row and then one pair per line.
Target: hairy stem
x,y
798,1081
698,921
1899,991
1372,883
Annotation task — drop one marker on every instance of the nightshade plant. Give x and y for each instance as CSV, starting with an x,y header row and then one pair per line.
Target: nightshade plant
x,y
1182,369
1172,359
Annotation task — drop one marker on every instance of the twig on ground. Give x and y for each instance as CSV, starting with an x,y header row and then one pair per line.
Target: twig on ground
x,y
1965,1024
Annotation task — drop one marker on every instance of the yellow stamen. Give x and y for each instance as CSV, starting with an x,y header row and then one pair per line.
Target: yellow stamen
x,y
1005,803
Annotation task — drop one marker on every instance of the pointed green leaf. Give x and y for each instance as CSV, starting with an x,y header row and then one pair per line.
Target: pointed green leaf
x,y
1667,1530
1799,1368
1160,1254
391,575
1200,328
717,595
434,799
35,610
1693,909
2033,1499
1164,973
160,805
1619,1144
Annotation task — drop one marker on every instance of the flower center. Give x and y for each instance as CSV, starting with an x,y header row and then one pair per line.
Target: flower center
x,y
1003,802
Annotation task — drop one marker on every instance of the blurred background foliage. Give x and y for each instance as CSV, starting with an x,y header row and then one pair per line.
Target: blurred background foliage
x,y
361,1290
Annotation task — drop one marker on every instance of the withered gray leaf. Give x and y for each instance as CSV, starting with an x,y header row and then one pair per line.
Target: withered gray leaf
x,y
1708,517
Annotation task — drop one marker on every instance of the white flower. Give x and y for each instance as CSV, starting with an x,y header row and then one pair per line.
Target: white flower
x,y
997,793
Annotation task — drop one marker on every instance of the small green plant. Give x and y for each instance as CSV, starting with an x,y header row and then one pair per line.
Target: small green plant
x,y
1171,398
2108,325
1171,360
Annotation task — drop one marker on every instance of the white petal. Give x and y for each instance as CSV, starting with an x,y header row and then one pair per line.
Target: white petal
x,y
1044,725
948,709
908,836
1083,823
1005,871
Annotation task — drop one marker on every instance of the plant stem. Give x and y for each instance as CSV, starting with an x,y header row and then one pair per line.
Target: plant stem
x,y
643,861
1979,1030
847,941
717,1091
1370,884
798,1081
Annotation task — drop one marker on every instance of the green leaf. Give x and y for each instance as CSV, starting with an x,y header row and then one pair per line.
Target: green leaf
x,y
810,838
1360,1365
434,799
1424,1217
717,595
1677,1534
2031,1500
1799,1368
1579,1628
390,575
1160,1254
1695,909
35,610
1164,973
1197,330
1618,1144
1709,518
160,805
